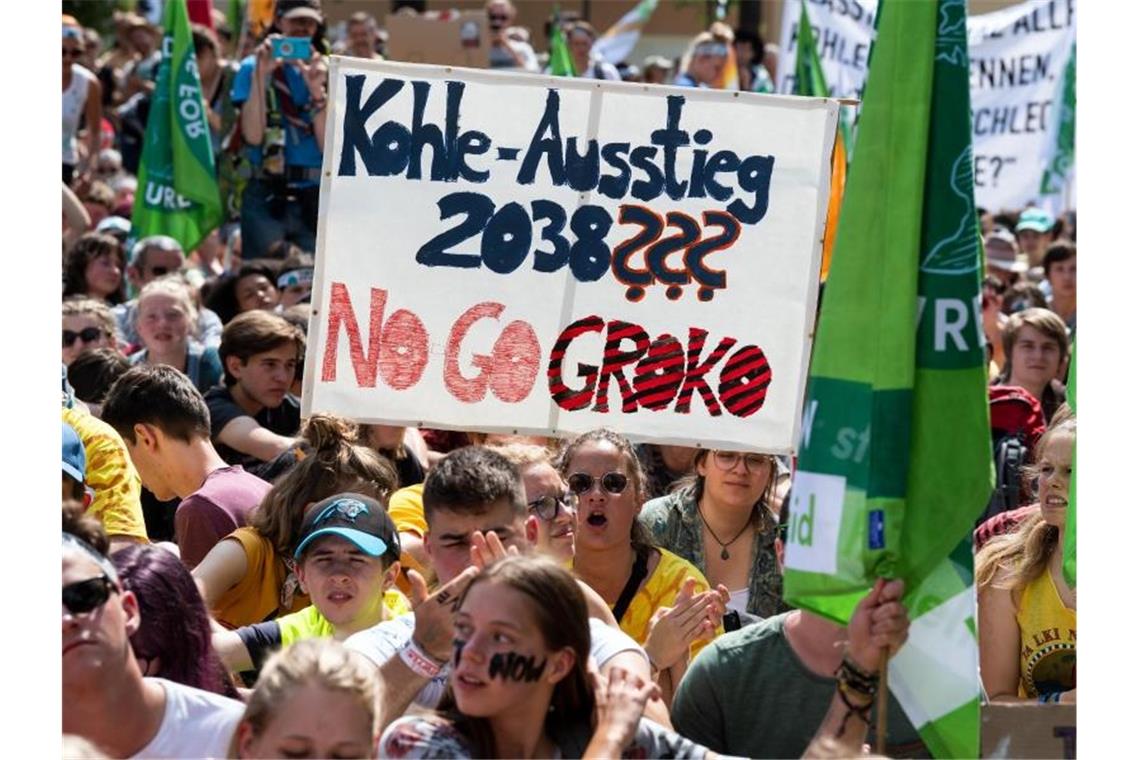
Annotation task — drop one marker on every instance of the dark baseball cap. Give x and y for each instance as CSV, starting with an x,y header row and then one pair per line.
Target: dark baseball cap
x,y
354,517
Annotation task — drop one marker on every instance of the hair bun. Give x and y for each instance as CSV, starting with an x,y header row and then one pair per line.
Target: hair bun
x,y
328,432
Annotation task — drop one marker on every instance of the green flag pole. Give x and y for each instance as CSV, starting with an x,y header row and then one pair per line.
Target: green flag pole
x,y
561,64
177,184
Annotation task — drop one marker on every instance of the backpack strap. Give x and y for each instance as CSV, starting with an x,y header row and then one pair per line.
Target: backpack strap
x,y
636,576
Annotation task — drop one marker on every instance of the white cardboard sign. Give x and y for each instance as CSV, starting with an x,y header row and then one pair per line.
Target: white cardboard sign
x,y
544,255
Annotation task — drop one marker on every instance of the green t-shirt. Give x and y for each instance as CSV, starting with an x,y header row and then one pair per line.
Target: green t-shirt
x,y
747,693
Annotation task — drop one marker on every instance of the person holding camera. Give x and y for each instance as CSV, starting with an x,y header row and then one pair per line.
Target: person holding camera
x,y
507,53
282,122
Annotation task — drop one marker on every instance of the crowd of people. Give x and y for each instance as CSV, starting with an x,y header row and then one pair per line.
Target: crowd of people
x,y
239,581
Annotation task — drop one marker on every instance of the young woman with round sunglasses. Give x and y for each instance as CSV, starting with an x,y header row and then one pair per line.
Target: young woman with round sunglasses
x,y
659,599
721,521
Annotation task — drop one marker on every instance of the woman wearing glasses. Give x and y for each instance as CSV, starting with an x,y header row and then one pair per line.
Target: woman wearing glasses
x,y
87,323
721,521
615,555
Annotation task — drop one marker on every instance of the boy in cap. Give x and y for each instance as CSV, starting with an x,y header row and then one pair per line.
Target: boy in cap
x,y
1034,233
347,560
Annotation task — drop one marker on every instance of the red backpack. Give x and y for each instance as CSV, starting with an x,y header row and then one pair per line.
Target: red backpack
x,y
1016,424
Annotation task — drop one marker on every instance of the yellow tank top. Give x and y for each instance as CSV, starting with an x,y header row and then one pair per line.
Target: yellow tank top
x,y
1048,639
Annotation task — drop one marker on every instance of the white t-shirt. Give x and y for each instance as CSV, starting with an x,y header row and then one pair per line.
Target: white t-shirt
x,y
381,643
74,104
196,723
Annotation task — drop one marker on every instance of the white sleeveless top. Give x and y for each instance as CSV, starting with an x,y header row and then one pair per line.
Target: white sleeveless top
x,y
74,103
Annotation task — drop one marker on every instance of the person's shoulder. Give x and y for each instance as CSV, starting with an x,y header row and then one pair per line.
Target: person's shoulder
x,y
750,641
219,394
672,565
661,507
194,703
381,641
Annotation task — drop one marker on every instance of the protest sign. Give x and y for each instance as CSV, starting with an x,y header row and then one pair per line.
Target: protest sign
x,y
448,38
1029,730
1017,72
550,255
1018,59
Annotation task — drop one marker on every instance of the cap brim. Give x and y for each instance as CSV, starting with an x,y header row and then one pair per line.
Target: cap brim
x,y
72,472
365,542
303,13
1035,226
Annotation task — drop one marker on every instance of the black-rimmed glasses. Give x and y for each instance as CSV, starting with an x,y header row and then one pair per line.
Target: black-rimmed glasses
x,y
546,507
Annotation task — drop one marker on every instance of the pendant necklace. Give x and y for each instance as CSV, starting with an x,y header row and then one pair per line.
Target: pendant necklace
x,y
723,546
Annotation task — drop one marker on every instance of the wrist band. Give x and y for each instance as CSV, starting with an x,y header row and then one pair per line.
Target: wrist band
x,y
419,661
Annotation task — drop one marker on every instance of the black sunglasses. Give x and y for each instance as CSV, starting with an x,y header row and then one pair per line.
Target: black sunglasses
x,y
87,335
84,596
546,507
72,53
159,271
612,482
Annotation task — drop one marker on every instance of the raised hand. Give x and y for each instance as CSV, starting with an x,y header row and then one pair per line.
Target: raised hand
x,y
880,620
435,613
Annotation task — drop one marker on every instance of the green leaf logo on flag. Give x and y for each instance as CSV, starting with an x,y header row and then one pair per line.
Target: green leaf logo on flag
x,y
895,462
177,185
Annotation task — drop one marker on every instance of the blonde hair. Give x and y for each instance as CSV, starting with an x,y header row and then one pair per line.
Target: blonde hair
x,y
322,662
1014,560
524,455
172,285
78,307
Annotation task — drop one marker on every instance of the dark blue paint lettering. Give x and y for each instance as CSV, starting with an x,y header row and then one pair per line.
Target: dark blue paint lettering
x,y
670,138
754,176
547,141
582,170
615,185
477,210
722,161
549,211
649,188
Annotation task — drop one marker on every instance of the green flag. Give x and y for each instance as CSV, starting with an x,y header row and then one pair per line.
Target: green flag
x,y
561,64
895,463
177,187
1069,548
1057,172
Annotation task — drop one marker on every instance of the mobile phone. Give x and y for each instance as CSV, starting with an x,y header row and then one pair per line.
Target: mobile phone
x,y
288,48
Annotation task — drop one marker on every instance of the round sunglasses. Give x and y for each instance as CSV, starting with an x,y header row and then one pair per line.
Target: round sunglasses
x,y
84,596
547,507
612,482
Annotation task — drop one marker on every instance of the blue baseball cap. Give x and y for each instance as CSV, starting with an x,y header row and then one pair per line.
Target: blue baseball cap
x,y
354,517
74,457
1036,219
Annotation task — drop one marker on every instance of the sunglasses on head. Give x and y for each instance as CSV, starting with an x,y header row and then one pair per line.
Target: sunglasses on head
x,y
546,507
612,482
88,595
87,335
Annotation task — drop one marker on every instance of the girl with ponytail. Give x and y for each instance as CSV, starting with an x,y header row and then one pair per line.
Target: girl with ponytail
x,y
248,576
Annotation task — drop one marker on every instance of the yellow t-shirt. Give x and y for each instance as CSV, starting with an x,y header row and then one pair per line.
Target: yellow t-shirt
x,y
406,508
268,589
660,590
111,475
1048,639
309,623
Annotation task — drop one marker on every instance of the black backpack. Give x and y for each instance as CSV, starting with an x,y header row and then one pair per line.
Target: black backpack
x,y
1016,423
